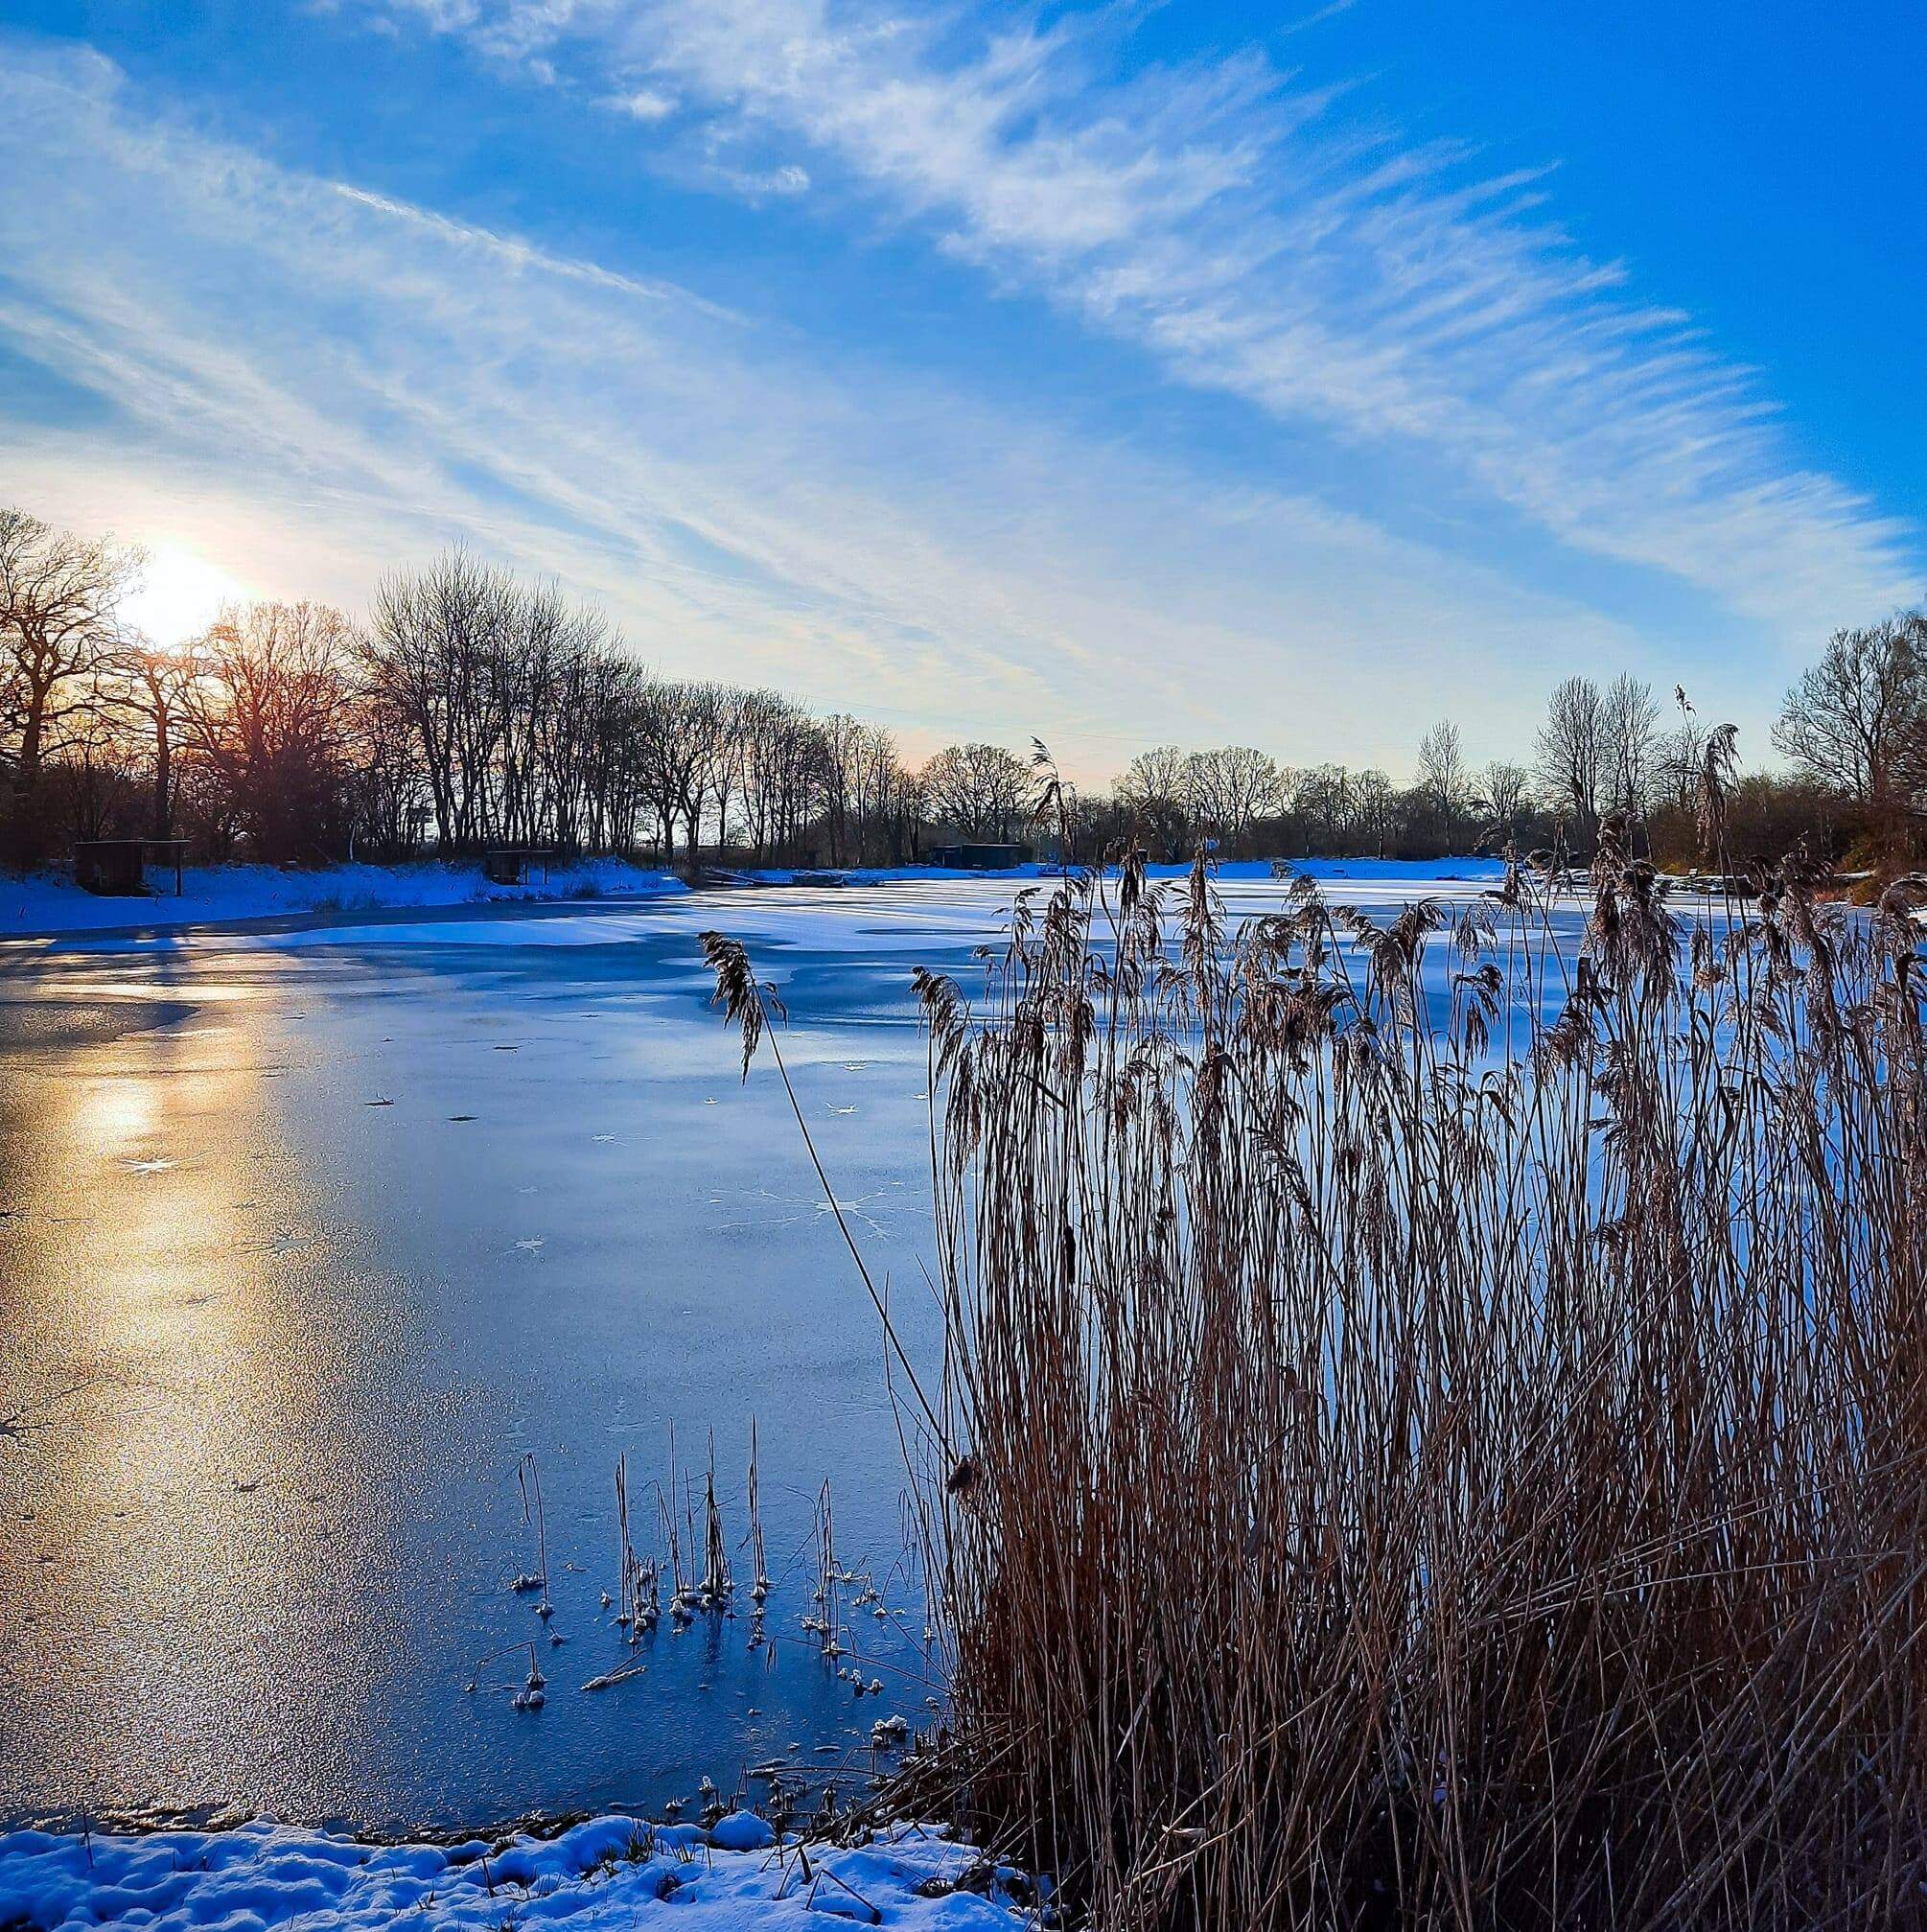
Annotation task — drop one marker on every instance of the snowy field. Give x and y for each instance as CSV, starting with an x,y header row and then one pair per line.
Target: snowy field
x,y
607,1872
313,1232
47,904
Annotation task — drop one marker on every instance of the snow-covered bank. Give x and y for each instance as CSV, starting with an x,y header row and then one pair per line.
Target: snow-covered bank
x,y
608,1871
1382,872
50,905
45,903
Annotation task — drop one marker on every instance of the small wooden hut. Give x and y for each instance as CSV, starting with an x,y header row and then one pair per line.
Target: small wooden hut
x,y
118,867
514,865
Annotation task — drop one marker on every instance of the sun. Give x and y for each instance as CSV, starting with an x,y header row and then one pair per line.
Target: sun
x,y
179,595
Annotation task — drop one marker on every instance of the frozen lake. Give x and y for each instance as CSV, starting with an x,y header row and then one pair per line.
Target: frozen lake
x,y
310,1236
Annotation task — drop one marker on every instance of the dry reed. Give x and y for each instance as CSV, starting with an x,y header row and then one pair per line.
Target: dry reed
x,y
1442,1450
1437,1448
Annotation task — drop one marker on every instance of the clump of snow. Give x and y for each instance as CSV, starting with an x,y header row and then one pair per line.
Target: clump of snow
x,y
48,903
606,1873
742,1831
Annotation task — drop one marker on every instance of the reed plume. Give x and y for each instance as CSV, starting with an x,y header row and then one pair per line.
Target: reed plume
x,y
1435,1447
1434,1410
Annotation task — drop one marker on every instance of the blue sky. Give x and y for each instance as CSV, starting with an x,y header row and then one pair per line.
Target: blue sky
x,y
1206,373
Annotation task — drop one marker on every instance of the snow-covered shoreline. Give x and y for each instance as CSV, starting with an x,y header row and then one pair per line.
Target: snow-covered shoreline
x,y
612,1871
45,905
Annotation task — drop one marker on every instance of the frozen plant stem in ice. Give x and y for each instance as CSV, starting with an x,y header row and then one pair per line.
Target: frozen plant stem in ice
x,y
760,1588
531,1484
717,1585
749,1004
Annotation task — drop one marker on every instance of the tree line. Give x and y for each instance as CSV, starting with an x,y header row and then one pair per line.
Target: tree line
x,y
472,709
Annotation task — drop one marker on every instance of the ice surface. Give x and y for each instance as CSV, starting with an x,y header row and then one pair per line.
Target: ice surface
x,y
296,1343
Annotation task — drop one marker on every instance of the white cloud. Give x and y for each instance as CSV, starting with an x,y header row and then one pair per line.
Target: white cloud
x,y
1217,217
312,383
643,104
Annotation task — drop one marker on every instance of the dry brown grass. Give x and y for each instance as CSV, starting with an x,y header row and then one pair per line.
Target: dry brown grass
x,y
1416,1468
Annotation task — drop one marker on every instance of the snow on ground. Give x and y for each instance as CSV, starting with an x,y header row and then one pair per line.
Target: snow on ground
x,y
1419,870
608,1871
1414,873
936,913
46,904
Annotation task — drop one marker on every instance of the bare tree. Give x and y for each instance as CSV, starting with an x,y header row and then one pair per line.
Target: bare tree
x,y
1323,805
1507,799
1857,721
148,689
882,785
530,722
97,779
433,642
686,744
978,788
1679,758
1571,754
790,772
59,595
388,788
1629,721
1372,807
500,710
1157,786
1231,788
271,714
907,804
1443,778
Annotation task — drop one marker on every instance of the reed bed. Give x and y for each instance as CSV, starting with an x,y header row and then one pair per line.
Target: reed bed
x,y
1434,1449
1438,1459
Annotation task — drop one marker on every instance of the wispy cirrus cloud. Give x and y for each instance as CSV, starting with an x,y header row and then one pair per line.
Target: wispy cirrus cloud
x,y
311,383
1222,218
